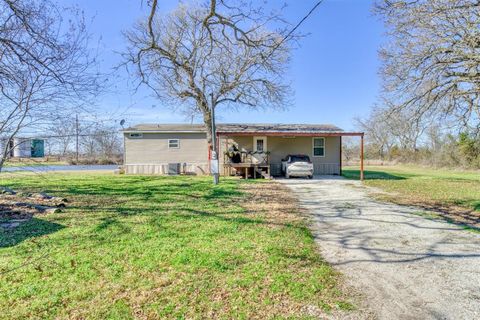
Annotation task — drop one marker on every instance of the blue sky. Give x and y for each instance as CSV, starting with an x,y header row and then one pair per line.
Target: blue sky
x,y
333,74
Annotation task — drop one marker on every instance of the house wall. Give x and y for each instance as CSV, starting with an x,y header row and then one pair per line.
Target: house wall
x,y
151,155
279,147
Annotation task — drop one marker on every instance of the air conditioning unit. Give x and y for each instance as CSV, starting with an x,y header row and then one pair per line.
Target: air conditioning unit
x,y
174,168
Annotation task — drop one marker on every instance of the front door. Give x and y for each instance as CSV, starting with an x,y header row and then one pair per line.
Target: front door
x,y
260,149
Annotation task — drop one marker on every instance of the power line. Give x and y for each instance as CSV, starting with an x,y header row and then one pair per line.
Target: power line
x,y
295,28
302,21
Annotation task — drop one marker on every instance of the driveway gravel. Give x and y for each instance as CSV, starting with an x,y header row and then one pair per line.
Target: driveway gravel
x,y
405,265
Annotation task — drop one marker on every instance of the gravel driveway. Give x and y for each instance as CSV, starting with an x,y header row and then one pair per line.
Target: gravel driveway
x,y
406,266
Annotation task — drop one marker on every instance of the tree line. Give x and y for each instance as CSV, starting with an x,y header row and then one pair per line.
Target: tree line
x,y
83,141
394,137
429,106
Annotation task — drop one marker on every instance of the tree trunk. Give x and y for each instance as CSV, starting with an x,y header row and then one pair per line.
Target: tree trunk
x,y
207,120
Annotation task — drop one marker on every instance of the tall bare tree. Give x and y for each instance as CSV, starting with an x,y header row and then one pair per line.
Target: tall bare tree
x,y
378,132
386,129
431,65
44,65
62,134
199,57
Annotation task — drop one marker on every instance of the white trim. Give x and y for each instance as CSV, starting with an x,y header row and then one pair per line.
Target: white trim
x,y
324,147
177,142
264,138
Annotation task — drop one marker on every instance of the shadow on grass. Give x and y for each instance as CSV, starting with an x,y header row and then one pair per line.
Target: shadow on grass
x,y
371,175
473,203
146,188
29,229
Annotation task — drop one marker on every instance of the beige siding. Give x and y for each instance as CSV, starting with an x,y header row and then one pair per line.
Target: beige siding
x,y
279,147
153,149
151,155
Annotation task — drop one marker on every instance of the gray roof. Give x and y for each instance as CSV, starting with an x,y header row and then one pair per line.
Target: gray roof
x,y
167,127
276,128
239,128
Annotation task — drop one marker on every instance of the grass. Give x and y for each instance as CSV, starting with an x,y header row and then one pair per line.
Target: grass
x,y
158,247
454,192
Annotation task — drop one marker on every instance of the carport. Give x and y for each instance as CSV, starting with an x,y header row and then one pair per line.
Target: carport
x,y
257,149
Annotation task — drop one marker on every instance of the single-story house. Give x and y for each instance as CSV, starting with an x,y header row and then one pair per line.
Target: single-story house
x,y
247,149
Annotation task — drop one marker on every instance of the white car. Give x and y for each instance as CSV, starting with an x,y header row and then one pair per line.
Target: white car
x,y
298,165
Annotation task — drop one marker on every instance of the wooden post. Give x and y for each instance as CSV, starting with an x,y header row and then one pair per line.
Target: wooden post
x,y
226,171
361,159
340,155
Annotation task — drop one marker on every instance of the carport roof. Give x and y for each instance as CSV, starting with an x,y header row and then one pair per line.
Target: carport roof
x,y
273,129
248,129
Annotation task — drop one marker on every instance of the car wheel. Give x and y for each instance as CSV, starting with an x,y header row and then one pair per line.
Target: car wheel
x,y
310,177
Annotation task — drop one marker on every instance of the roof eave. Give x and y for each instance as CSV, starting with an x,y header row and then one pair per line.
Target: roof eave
x,y
161,131
294,134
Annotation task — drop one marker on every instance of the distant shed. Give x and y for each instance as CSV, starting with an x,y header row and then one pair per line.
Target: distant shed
x,y
28,147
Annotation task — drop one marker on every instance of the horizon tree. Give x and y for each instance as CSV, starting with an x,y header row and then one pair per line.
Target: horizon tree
x,y
431,61
221,53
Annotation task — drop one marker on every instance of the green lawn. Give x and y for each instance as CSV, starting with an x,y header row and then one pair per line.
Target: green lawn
x,y
158,247
424,186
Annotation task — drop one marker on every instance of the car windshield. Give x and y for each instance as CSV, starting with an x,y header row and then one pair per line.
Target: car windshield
x,y
299,159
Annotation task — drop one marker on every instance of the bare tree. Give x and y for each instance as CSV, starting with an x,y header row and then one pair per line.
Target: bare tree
x,y
431,65
202,56
406,129
386,129
107,141
378,132
62,134
44,65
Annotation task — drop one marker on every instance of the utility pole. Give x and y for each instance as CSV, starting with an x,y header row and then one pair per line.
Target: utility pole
x,y
214,160
76,136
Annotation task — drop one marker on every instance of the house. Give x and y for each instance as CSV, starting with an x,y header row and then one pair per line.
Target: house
x,y
247,149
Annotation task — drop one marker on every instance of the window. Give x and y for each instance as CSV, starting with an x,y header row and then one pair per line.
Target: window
x,y
319,147
173,143
136,135
260,145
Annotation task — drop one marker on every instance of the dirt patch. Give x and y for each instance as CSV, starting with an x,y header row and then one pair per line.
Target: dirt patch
x,y
17,208
274,202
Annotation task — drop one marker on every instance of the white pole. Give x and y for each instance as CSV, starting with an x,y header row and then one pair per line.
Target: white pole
x,y
214,161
